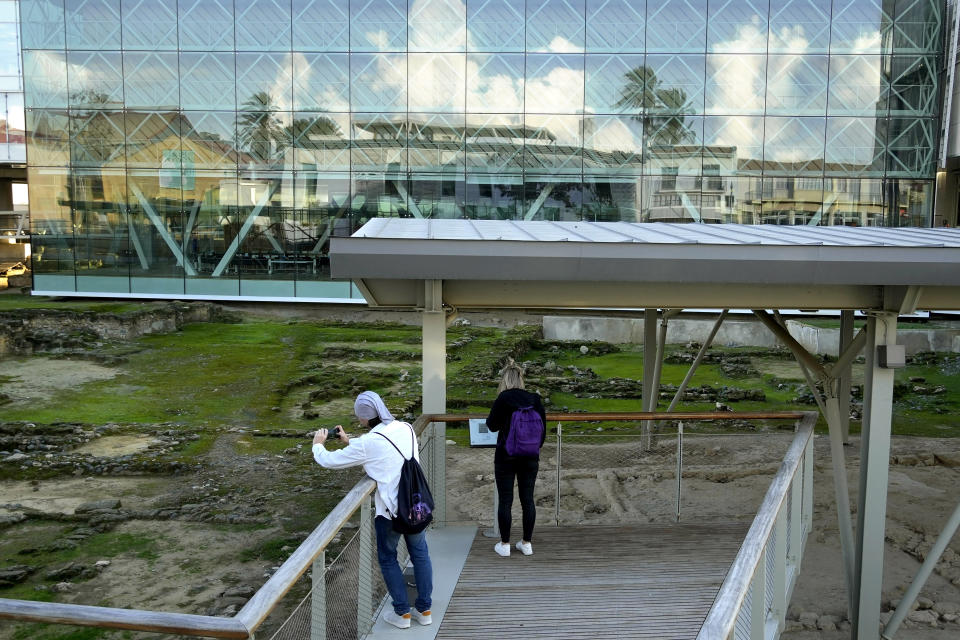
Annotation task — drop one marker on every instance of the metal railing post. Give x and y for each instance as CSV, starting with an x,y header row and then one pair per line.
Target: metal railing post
x,y
758,599
808,486
679,465
438,453
318,605
556,503
364,570
778,608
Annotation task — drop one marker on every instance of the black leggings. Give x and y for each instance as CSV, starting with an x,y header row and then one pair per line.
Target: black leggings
x,y
525,471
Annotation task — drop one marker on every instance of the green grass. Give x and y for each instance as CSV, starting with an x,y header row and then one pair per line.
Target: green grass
x,y
12,302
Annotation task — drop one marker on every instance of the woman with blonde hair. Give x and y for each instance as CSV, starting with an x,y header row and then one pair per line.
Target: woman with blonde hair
x,y
513,462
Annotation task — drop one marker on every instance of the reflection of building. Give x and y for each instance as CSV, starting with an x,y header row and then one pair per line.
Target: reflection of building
x,y
14,223
176,156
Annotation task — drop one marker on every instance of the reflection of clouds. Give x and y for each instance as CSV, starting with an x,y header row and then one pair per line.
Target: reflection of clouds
x,y
379,39
559,44
611,134
282,81
493,91
559,91
793,38
437,26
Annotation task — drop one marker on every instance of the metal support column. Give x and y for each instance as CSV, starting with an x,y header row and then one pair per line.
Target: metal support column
x,y
874,475
434,339
318,603
845,375
842,496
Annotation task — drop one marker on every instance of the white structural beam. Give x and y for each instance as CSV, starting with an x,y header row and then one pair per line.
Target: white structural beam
x,y
162,229
411,205
135,239
874,475
434,339
696,361
245,229
535,207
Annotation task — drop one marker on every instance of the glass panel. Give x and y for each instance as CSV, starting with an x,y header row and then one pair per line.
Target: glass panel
x,y
321,140
612,145
554,83
913,200
855,146
677,26
671,198
95,80
737,26
436,142
793,146
152,81
322,210
552,197
555,25
263,25
495,83
104,245
614,83
156,224
378,82
10,51
378,25
436,197
735,84
496,25
96,138
210,223
320,82
378,195
93,24
800,26
264,81
674,145
41,24
207,81
615,26
321,25
732,145
263,135
437,25
206,25
47,138
854,202
494,197
436,82
673,81
153,139
264,200
793,201
911,143
797,85
149,24
913,86
51,220
856,85
607,199
552,144
861,26
45,73
495,143
379,141
209,136
917,27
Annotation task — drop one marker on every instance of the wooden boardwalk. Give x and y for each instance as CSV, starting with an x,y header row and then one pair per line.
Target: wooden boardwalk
x,y
641,581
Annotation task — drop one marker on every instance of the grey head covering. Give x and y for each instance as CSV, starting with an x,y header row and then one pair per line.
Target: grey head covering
x,y
369,404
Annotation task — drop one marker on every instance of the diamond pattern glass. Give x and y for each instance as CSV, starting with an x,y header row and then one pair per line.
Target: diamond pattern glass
x,y
496,25
207,81
797,85
855,147
614,83
436,82
793,146
615,26
378,25
378,82
677,26
263,25
321,25
206,25
151,81
149,25
737,26
92,24
556,26
554,83
799,26
437,25
42,24
735,84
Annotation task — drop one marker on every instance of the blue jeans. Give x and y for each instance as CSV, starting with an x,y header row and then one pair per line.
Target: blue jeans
x,y
387,540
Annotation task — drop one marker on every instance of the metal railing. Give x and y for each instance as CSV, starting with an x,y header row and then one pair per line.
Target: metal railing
x,y
354,578
752,602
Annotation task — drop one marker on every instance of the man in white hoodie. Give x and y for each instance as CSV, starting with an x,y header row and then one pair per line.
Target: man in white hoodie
x,y
382,461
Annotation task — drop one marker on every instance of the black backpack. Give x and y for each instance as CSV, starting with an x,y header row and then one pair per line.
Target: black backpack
x,y
414,500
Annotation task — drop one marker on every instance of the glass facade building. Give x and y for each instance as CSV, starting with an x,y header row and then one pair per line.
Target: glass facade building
x,y
211,148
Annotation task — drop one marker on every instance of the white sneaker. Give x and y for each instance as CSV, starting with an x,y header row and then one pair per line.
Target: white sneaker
x,y
423,618
525,548
400,622
502,548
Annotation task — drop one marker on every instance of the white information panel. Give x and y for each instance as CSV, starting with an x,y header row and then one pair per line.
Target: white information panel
x,y
480,436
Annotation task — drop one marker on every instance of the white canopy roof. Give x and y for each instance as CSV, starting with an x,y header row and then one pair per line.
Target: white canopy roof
x,y
493,263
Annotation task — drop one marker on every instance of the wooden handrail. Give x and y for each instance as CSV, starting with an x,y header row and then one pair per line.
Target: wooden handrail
x,y
641,415
83,615
723,614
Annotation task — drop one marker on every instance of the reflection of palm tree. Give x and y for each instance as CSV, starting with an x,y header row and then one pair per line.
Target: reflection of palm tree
x,y
258,129
303,128
659,108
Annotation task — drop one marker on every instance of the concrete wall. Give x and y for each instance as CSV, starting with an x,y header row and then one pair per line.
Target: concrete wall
x,y
733,333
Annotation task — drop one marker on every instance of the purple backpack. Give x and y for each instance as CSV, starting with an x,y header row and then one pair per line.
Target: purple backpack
x,y
526,433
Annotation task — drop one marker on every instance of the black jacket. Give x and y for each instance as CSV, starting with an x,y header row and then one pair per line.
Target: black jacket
x,y
502,410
